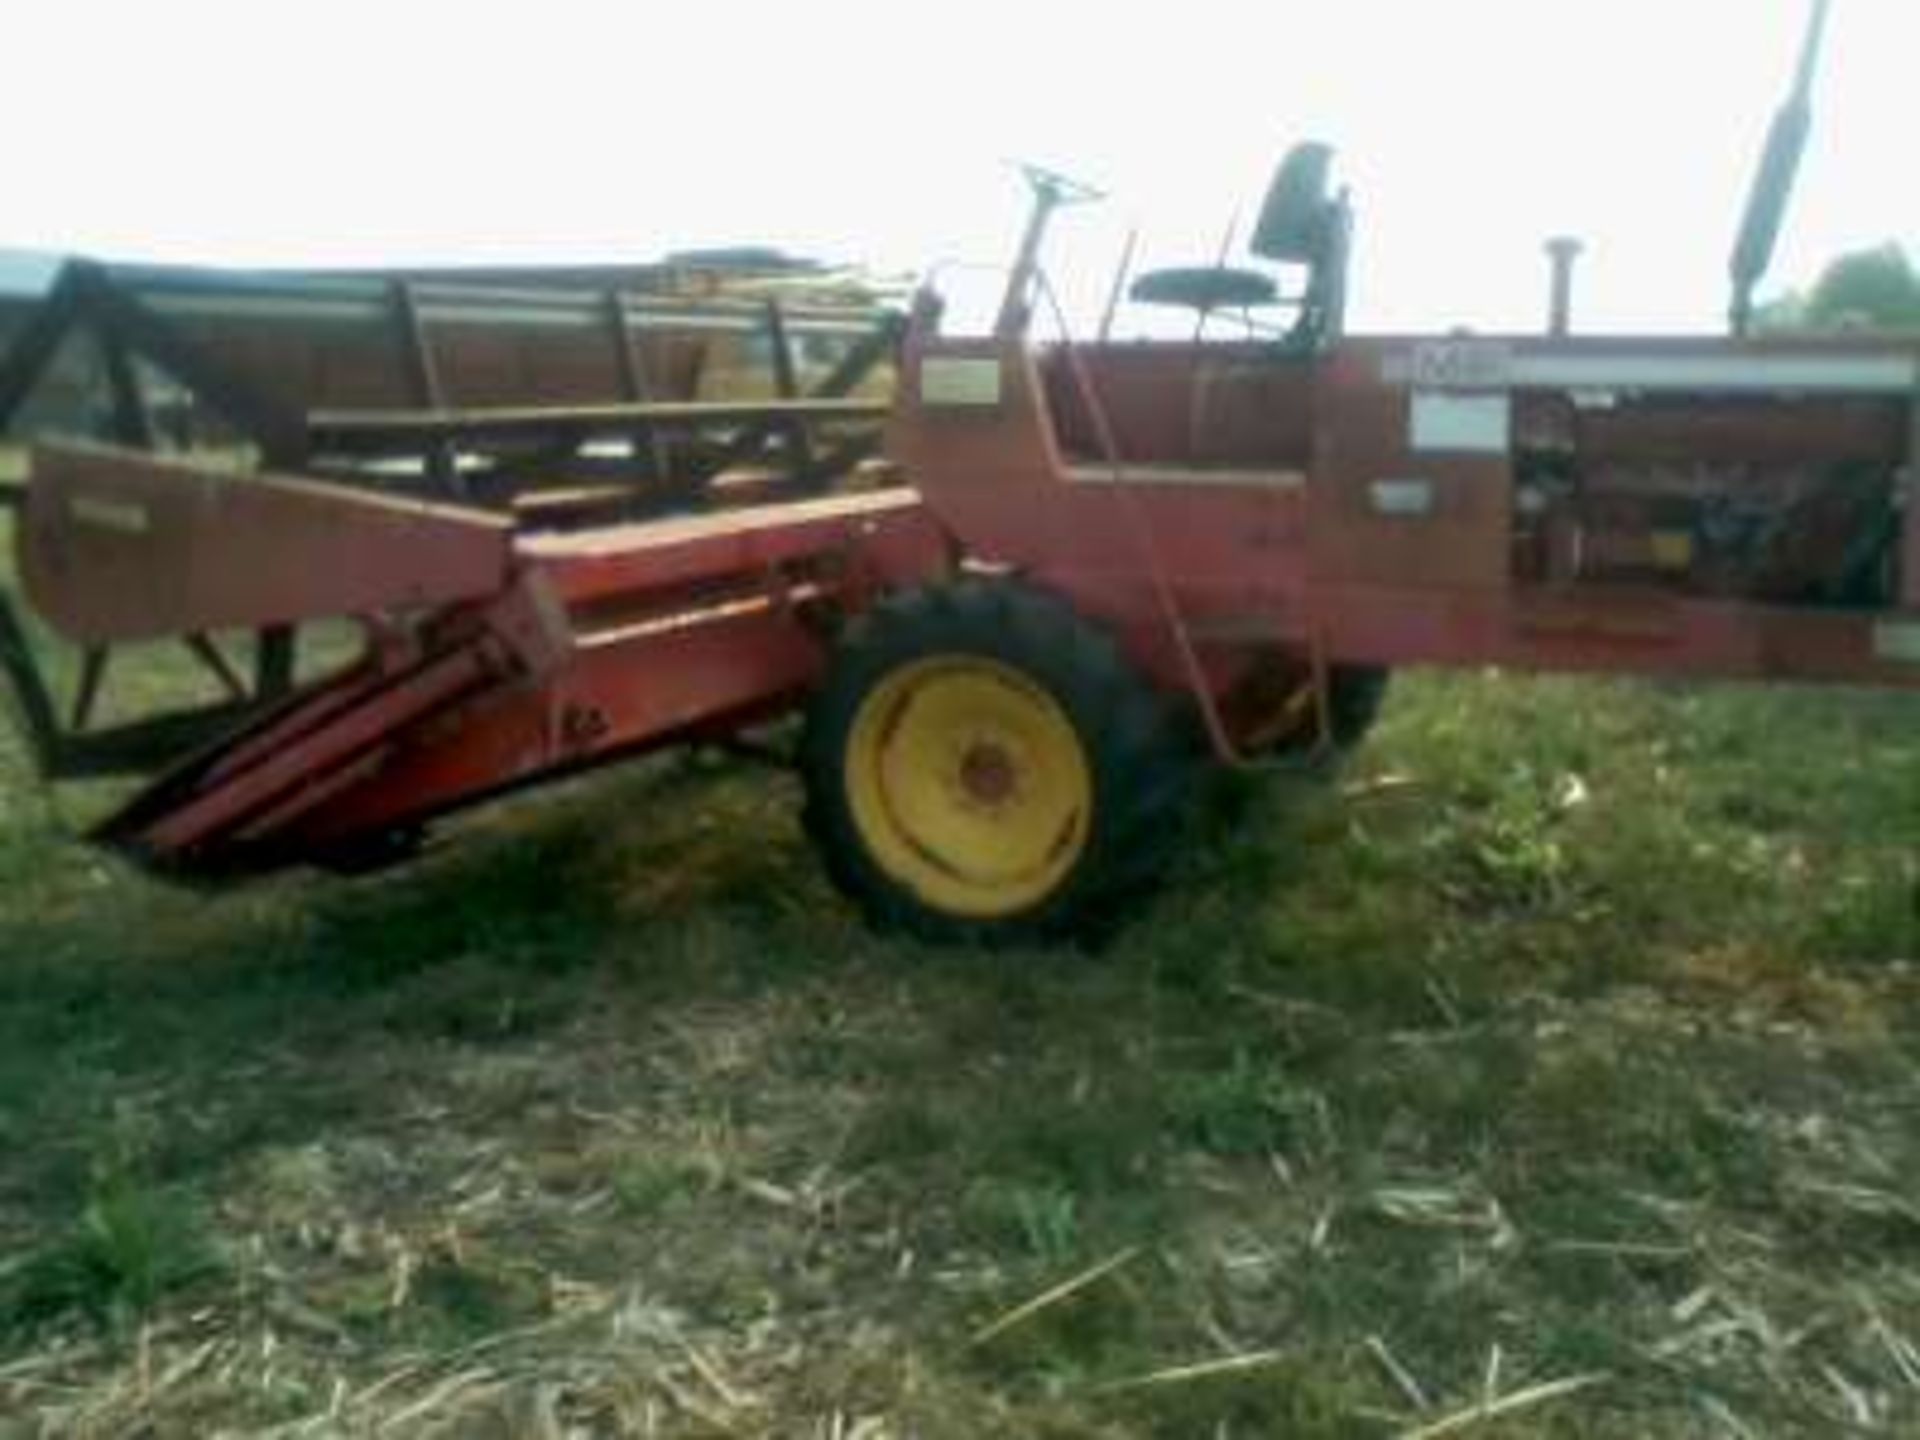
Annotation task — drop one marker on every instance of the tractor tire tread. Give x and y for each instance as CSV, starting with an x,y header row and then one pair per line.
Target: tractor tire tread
x,y
1137,747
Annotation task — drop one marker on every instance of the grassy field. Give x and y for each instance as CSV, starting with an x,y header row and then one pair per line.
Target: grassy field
x,y
1552,1074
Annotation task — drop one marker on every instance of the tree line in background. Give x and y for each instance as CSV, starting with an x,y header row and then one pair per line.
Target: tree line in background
x,y
1874,289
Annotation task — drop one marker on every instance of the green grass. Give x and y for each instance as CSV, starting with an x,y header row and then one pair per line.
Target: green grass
x,y
1572,1034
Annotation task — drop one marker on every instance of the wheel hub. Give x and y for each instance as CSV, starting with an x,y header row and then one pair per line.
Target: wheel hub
x,y
988,774
970,784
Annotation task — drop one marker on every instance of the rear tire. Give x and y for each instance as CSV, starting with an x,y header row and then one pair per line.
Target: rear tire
x,y
1299,753
1276,712
985,767
1355,696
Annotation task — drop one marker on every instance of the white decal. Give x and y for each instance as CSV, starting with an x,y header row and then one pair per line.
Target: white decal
x,y
1898,641
1461,365
1461,424
1733,371
1128,473
1403,498
951,380
128,517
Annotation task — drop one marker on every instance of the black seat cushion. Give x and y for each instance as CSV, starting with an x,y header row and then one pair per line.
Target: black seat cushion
x,y
1298,213
1210,288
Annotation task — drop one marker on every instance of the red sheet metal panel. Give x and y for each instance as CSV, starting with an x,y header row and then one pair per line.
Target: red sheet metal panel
x,y
118,546
1619,630
301,772
1392,505
709,673
524,684
630,560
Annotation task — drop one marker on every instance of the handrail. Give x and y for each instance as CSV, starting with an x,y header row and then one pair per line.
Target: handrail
x,y
1221,743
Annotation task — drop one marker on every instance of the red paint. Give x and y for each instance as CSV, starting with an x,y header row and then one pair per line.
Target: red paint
x,y
1220,508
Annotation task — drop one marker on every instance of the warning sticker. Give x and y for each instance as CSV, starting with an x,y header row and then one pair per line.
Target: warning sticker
x,y
949,380
128,517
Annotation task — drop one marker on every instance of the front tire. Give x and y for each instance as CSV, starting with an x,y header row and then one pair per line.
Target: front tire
x,y
985,767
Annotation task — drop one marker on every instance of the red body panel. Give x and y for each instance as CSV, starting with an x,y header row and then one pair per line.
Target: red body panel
x,y
492,662
996,476
1242,516
119,546
1365,505
707,674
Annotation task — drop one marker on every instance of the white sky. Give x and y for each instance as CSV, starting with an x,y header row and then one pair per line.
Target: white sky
x,y
284,132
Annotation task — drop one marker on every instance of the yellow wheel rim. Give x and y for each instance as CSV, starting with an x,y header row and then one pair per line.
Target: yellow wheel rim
x,y
969,785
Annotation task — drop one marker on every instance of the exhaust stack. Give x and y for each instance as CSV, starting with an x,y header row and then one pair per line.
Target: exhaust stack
x,y
1563,253
1773,181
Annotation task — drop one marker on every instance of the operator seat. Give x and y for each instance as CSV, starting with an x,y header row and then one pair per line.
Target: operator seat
x,y
1300,223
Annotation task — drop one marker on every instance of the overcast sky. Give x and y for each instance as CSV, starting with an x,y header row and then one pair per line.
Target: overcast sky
x,y
423,131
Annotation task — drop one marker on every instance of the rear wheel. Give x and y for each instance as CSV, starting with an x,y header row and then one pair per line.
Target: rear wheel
x,y
1277,716
983,766
1355,695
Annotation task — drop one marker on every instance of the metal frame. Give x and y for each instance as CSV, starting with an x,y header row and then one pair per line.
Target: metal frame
x,y
578,650
1273,543
140,316
144,314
